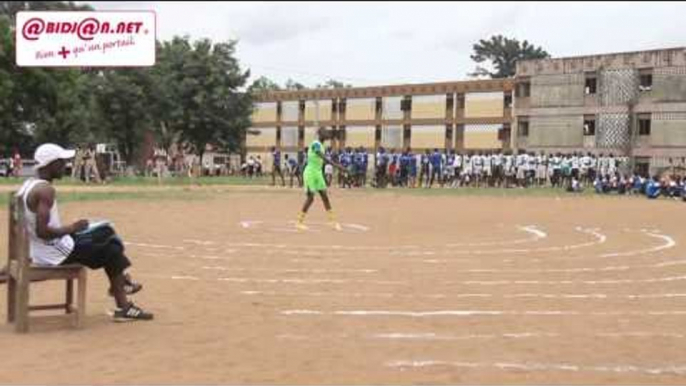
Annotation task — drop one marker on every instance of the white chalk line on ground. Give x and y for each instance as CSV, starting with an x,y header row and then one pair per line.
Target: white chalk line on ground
x,y
289,226
669,243
669,263
536,235
431,336
306,281
293,270
409,283
536,232
468,313
567,282
191,255
599,239
532,366
465,295
281,249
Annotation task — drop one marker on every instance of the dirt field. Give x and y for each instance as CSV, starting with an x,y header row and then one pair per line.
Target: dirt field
x,y
414,290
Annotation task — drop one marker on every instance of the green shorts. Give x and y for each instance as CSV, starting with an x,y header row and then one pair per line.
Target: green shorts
x,y
314,181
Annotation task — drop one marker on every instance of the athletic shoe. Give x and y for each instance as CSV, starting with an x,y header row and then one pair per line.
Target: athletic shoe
x,y
337,226
130,287
300,226
130,314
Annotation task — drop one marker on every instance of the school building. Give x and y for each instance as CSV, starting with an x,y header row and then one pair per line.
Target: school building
x,y
631,104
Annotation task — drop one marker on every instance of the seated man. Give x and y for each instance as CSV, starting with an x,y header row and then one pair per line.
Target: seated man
x,y
51,243
653,189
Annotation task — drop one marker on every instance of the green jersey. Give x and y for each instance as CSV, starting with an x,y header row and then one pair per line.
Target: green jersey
x,y
314,161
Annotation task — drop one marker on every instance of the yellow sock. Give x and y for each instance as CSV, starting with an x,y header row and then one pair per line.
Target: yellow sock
x,y
332,215
301,217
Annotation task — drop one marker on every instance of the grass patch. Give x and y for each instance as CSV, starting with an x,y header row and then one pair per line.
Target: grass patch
x,y
118,196
152,181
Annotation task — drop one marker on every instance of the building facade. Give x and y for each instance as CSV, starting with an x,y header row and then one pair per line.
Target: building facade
x,y
470,115
631,104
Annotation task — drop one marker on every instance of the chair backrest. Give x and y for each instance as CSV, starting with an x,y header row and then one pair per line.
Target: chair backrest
x,y
18,238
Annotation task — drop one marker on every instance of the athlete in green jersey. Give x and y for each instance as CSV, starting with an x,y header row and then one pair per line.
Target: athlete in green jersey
x,y
314,179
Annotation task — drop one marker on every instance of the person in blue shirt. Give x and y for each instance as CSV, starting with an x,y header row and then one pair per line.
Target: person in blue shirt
x,y
347,163
653,189
424,172
413,169
435,161
365,166
292,166
276,166
359,166
404,167
302,162
381,167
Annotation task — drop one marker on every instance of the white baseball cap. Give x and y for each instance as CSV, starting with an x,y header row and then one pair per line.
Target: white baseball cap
x,y
49,152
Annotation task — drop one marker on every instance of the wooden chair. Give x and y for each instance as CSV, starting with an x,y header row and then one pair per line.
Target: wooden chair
x,y
22,273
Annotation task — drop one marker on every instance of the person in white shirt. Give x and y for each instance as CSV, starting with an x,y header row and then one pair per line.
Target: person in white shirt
x,y
575,165
467,168
487,167
508,168
497,161
54,244
603,165
612,165
541,169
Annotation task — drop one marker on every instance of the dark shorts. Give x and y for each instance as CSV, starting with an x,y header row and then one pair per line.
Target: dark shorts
x,y
100,248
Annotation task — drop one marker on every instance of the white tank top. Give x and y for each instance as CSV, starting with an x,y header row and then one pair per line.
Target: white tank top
x,y
44,252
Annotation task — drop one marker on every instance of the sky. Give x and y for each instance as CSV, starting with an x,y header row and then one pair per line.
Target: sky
x,y
380,43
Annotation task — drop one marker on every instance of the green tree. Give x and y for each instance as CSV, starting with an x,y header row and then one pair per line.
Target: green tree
x,y
262,84
503,54
332,83
164,91
123,109
293,85
39,104
214,111
10,8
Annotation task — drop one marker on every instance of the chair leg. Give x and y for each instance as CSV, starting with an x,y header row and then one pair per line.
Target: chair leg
x,y
69,301
11,299
22,305
81,299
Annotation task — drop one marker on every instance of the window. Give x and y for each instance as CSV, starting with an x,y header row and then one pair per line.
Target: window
x,y
302,106
377,134
460,101
507,102
643,125
589,126
406,104
591,86
379,105
523,89
341,105
449,102
523,129
646,80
